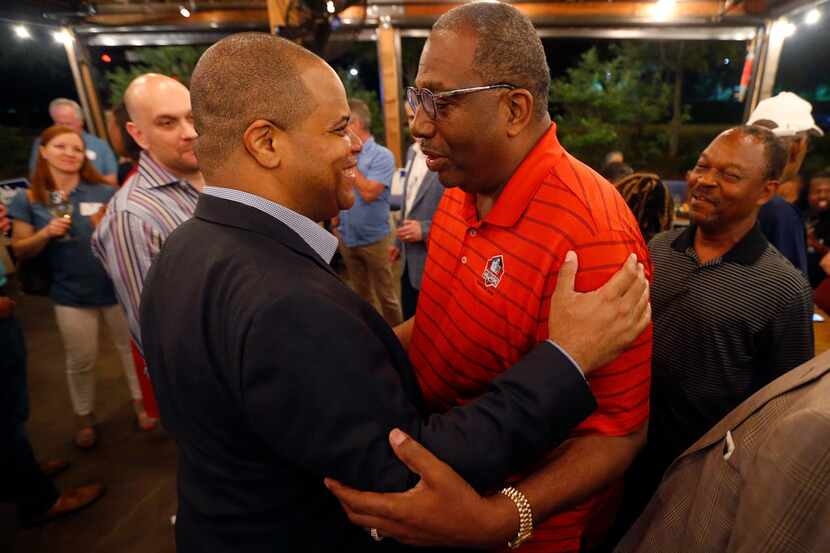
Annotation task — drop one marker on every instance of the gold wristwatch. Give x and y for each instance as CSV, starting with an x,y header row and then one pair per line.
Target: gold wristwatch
x,y
525,516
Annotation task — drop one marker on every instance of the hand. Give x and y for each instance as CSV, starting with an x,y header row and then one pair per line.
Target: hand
x,y
95,218
825,263
595,327
441,510
5,224
410,231
394,254
6,307
58,227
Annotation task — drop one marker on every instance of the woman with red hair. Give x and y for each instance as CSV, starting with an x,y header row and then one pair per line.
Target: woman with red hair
x,y
51,219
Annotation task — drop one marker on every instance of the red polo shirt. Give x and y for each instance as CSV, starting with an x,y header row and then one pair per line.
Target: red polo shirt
x,y
486,291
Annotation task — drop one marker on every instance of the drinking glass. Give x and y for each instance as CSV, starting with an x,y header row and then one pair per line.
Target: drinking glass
x,y
60,206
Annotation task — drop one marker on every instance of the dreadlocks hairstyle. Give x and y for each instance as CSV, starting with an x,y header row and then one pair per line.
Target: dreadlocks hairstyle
x,y
649,200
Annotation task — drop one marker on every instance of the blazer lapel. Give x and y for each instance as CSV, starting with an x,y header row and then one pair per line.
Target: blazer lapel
x,y
428,180
799,376
235,214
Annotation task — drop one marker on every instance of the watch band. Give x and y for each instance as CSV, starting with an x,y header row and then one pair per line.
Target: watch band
x,y
525,516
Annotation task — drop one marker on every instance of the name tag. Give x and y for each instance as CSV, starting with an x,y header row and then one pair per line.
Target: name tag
x,y
90,208
91,155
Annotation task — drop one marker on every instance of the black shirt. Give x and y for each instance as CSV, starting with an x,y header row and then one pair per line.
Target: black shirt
x,y
722,331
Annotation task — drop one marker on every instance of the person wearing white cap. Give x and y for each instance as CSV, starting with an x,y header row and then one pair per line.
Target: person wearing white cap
x,y
790,119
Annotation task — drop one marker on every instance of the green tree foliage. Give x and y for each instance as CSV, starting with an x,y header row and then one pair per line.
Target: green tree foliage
x,y
678,59
355,89
606,104
174,61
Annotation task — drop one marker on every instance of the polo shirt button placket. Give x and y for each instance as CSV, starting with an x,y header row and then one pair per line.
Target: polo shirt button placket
x,y
464,259
473,232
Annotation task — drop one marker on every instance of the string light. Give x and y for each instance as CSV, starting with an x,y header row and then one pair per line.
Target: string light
x,y
663,9
22,32
813,16
62,36
184,11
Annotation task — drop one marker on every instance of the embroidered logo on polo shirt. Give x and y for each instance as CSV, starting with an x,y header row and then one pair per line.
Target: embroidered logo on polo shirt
x,y
493,271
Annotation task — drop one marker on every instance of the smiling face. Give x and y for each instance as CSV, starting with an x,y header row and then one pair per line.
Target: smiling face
x,y
819,197
65,153
729,182
467,142
319,155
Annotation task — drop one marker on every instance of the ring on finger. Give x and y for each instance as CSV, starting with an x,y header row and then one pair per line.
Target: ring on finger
x,y
374,533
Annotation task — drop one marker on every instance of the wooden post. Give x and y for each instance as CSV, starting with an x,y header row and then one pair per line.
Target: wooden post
x,y
99,126
389,56
80,88
774,44
277,13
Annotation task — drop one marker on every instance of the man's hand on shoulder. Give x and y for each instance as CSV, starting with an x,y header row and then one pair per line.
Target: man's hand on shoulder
x,y
595,327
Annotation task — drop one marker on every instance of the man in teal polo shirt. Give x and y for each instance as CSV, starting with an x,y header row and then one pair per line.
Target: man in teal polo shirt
x,y
66,112
364,229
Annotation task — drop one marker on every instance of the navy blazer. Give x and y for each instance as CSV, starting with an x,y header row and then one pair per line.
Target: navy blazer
x,y
271,373
414,254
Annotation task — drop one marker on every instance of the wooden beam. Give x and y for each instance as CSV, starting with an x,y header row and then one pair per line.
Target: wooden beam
x,y
199,18
610,10
389,58
543,13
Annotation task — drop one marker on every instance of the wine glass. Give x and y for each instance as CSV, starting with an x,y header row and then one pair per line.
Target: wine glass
x,y
60,206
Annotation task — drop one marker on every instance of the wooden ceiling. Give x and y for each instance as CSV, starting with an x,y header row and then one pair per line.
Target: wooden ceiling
x,y
402,13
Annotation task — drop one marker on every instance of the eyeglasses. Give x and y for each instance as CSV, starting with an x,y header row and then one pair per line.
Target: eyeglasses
x,y
425,98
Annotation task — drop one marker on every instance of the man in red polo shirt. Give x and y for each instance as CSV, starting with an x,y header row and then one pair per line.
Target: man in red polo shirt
x,y
515,203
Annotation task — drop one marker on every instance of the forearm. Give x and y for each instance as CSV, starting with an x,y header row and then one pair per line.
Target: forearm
x,y
578,469
525,412
369,190
30,246
575,471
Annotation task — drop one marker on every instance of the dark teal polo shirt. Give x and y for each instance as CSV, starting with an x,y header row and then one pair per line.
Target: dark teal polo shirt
x,y
78,279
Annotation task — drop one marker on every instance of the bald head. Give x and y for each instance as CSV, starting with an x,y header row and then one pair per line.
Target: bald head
x,y
161,122
243,78
147,93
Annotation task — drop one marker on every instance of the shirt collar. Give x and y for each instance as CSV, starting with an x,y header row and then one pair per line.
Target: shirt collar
x,y
320,240
746,251
153,173
522,186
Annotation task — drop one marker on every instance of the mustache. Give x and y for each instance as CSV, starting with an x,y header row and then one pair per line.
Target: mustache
x,y
699,193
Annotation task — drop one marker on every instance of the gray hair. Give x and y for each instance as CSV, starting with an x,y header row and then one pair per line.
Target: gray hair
x,y
360,110
59,102
509,49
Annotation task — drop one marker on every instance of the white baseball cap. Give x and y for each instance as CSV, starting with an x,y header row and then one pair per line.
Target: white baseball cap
x,y
789,112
